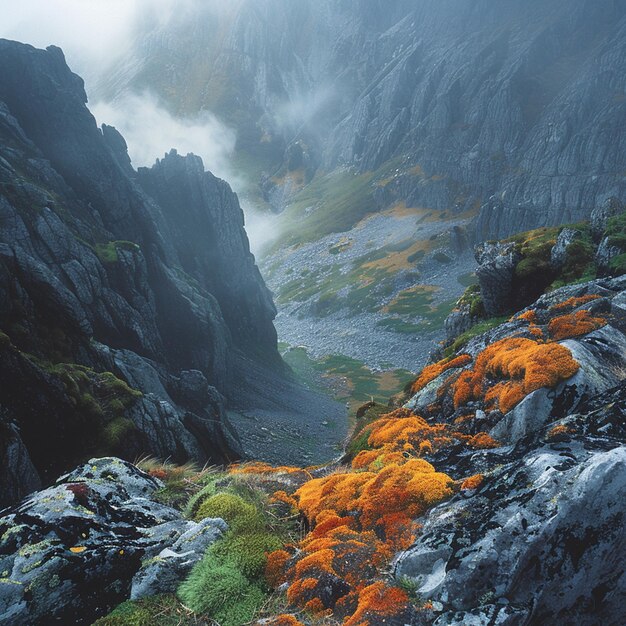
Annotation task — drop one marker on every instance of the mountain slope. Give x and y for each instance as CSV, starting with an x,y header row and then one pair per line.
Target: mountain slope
x,y
132,308
514,108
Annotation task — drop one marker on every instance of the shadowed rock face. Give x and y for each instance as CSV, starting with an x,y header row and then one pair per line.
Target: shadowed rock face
x,y
516,107
161,290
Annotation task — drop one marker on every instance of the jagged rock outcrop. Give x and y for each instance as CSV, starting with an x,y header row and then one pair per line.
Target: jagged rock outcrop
x,y
72,552
523,548
212,246
512,107
496,273
592,328
520,546
125,313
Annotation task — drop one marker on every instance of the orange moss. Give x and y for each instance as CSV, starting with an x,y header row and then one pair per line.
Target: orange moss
x,y
377,601
574,303
522,365
483,441
559,431
275,568
285,498
430,372
529,316
300,590
408,488
574,325
473,482
316,562
315,606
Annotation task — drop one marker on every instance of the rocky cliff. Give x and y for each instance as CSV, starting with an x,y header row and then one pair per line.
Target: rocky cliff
x,y
511,108
129,301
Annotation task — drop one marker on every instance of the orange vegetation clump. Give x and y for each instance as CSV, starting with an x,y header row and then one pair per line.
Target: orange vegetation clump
x,y
560,431
257,467
377,603
409,488
518,366
573,303
275,567
398,439
529,316
574,325
284,497
430,372
473,482
483,441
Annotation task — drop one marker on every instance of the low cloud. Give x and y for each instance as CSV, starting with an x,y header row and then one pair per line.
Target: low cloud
x,y
151,131
262,227
94,34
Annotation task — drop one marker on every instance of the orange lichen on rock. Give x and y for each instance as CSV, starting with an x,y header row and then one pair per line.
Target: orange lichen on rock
x,y
378,603
283,620
473,482
529,316
483,441
430,372
275,567
284,497
560,431
301,591
573,303
521,365
574,325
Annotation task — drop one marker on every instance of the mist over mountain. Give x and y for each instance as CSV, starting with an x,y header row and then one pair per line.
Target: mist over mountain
x,y
508,107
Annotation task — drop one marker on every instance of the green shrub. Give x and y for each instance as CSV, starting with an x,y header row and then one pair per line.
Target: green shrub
x,y
249,551
115,432
164,610
217,588
618,265
473,298
616,231
239,514
107,252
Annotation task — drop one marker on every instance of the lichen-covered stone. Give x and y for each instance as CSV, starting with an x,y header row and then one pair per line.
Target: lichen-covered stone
x,y
72,552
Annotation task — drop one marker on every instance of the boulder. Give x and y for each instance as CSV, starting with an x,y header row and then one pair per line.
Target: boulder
x,y
72,552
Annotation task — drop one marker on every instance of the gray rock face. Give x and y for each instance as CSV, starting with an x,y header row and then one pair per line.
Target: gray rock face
x,y
161,290
566,237
516,107
70,553
496,271
542,540
602,213
605,254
